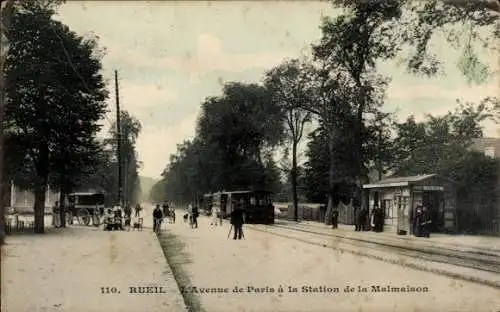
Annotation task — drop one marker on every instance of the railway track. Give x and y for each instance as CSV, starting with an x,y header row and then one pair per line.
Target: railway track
x,y
403,240
474,254
484,263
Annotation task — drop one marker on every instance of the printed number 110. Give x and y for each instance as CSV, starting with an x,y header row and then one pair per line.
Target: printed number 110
x,y
109,290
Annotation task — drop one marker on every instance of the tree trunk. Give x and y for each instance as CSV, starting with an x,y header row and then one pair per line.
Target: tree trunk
x,y
40,208
331,179
62,207
294,181
41,186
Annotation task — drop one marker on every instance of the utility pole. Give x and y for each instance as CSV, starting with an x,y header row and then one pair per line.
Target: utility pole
x,y
118,143
379,154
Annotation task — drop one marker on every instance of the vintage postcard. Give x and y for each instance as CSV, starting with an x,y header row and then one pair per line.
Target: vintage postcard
x,y
256,156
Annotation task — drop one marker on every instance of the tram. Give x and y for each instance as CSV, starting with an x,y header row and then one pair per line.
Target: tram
x,y
257,205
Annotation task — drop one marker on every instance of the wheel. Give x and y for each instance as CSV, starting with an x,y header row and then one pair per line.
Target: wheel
x,y
83,217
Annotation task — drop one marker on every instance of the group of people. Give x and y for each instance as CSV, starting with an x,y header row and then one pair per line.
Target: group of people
x,y
364,221
160,213
119,218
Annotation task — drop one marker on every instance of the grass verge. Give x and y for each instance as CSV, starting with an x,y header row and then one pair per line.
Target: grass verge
x,y
173,249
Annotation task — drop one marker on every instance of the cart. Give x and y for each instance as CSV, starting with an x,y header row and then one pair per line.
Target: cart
x,y
87,208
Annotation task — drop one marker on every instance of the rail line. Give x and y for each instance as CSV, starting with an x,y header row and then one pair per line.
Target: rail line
x,y
484,263
477,264
476,250
414,247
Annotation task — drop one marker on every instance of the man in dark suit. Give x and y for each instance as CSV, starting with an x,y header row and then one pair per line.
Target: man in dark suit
x,y
237,221
157,218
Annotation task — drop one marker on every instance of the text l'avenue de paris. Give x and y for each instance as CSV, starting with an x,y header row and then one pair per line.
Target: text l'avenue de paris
x,y
308,289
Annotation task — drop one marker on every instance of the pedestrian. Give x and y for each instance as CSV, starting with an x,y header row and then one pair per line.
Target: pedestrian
x,y
195,217
128,215
357,217
138,209
335,219
165,209
378,219
56,215
157,218
215,216
118,217
237,221
172,214
425,223
417,220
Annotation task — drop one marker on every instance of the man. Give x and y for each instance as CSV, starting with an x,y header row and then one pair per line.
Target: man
x,y
417,220
425,223
157,218
138,209
195,217
335,219
237,221
56,215
128,214
357,219
118,217
165,209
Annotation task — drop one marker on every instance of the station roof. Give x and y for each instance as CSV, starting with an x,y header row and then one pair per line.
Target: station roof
x,y
404,181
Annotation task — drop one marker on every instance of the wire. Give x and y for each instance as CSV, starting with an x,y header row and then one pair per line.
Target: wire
x,y
66,53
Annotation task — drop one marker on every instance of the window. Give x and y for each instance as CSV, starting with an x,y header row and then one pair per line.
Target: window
x,y
489,151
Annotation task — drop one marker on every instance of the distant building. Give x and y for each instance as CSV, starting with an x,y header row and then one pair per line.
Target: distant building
x,y
20,199
489,146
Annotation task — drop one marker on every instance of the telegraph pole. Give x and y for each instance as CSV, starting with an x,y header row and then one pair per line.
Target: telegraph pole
x,y
118,143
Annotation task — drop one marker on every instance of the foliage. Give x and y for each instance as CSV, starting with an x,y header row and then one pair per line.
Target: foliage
x,y
290,89
55,98
428,146
465,24
236,134
105,177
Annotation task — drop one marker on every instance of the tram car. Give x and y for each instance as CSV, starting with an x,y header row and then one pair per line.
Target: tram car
x,y
257,205
206,204
86,208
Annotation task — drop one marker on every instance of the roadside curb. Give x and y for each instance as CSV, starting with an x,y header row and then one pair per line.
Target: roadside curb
x,y
403,263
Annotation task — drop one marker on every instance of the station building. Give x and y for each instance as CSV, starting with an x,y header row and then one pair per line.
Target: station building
x,y
399,197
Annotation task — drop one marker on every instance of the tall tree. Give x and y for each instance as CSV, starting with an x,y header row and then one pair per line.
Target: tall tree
x,y
290,89
349,87
57,85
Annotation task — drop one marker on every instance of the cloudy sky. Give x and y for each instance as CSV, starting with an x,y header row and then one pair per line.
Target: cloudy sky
x,y
172,55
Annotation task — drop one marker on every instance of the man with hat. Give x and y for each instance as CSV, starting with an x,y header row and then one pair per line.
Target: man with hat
x,y
237,220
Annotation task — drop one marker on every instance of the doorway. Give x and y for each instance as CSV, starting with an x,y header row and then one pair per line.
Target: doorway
x,y
434,201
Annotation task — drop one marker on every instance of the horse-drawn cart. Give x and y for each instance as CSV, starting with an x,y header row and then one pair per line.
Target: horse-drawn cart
x,y
86,208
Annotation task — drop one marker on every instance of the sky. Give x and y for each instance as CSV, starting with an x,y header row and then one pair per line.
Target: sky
x,y
171,55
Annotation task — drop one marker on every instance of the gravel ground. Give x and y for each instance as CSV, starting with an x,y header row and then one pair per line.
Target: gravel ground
x,y
206,258
64,270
